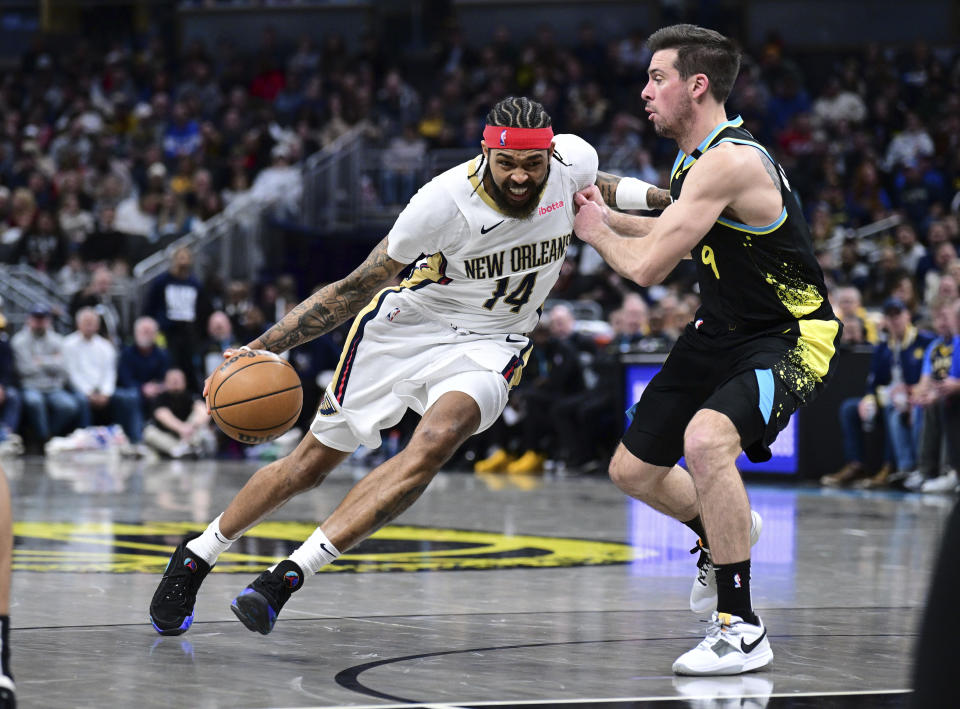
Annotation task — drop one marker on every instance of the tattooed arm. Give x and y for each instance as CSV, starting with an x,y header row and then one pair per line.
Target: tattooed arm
x,y
656,198
331,305
626,224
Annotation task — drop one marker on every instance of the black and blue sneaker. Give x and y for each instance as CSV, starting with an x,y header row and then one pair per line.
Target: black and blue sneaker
x,y
259,604
171,610
8,693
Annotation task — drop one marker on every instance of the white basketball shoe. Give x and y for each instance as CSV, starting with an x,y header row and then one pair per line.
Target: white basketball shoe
x,y
703,594
732,646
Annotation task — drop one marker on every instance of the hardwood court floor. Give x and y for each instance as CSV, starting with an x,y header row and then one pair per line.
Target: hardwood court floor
x,y
492,591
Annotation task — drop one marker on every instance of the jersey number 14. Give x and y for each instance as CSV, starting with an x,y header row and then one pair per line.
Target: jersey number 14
x,y
518,296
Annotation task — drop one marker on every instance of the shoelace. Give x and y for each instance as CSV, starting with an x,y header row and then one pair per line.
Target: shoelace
x,y
714,628
704,565
178,581
178,591
274,584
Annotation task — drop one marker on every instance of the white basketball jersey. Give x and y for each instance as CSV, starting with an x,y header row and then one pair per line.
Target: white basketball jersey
x,y
476,268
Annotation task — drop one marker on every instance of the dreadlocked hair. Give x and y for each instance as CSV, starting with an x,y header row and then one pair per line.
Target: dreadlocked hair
x,y
519,112
515,112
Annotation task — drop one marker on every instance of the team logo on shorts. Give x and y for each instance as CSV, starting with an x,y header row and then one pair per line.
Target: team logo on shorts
x,y
393,313
326,406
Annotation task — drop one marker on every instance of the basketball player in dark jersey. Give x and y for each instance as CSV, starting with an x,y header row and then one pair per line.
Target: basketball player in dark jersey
x,y
761,345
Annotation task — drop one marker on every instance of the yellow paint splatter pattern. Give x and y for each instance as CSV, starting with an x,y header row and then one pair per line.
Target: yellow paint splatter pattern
x,y
805,366
798,297
798,376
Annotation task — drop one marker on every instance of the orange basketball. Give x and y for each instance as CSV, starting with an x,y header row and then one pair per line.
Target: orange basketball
x,y
255,396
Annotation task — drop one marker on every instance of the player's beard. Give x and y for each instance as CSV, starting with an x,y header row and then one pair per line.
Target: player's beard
x,y
512,209
682,118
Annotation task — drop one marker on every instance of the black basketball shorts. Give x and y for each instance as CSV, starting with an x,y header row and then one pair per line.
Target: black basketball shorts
x,y
758,384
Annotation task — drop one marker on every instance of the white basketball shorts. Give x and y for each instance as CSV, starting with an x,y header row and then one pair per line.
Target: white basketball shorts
x,y
398,357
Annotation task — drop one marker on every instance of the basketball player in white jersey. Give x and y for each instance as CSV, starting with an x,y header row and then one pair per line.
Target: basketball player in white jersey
x,y
487,240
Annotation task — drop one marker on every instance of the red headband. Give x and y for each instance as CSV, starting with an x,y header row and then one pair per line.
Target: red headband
x,y
518,138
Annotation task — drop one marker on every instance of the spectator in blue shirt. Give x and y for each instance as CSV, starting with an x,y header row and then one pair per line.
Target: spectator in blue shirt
x,y
942,390
932,393
143,366
895,369
182,136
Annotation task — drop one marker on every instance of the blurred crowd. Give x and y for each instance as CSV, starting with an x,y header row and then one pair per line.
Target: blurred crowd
x,y
107,156
56,387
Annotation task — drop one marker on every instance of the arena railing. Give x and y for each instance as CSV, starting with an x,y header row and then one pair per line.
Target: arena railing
x,y
342,183
231,244
23,287
868,237
331,199
228,245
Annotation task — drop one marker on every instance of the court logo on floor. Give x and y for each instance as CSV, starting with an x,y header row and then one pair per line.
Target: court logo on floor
x,y
131,548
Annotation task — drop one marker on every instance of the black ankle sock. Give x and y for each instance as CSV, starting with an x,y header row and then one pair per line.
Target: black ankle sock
x,y
696,524
5,645
733,591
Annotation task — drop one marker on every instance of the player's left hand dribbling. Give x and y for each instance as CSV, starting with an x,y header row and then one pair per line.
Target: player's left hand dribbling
x,y
227,354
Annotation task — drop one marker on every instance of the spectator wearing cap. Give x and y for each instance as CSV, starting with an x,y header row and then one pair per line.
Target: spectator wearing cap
x,y
895,369
49,407
91,364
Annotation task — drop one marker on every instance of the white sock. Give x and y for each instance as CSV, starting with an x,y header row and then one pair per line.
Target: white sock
x,y
314,553
212,543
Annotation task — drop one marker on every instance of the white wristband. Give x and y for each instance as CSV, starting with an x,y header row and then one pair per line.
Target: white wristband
x,y
632,193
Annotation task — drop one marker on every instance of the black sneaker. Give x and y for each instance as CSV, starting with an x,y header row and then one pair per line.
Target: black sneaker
x,y
8,693
171,610
259,604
